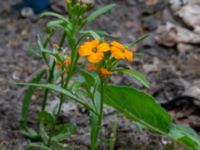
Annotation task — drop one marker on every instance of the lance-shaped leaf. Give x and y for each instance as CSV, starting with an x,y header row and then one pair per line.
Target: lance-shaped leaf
x,y
185,135
27,99
92,33
64,131
139,107
136,75
61,91
99,12
39,145
53,14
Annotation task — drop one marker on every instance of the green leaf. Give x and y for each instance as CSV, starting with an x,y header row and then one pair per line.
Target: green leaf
x,y
27,99
56,15
113,136
103,33
136,75
94,129
61,91
30,133
43,133
59,146
138,40
39,145
99,12
55,23
92,33
185,135
34,51
139,107
64,131
75,87
46,117
89,79
54,55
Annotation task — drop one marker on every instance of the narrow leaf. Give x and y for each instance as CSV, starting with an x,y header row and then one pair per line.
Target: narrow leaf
x,y
140,39
99,12
62,91
55,23
27,99
64,131
94,129
185,135
38,145
92,33
89,79
28,132
75,87
52,14
136,75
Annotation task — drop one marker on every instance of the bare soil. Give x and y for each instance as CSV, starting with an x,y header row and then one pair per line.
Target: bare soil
x,y
164,67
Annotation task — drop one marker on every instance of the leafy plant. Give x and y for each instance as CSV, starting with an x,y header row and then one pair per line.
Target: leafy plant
x,y
88,65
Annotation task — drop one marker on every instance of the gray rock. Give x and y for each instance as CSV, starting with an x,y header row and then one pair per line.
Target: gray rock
x,y
170,34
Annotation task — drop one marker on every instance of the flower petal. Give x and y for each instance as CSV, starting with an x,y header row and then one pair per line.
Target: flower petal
x,y
103,47
129,55
94,43
91,67
68,61
117,53
85,50
105,72
95,57
118,45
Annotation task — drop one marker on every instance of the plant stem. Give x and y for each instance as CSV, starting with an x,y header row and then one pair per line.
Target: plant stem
x,y
45,45
100,117
51,71
102,101
58,112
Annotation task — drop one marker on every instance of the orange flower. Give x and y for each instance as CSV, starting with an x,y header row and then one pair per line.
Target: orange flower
x,y
129,55
105,72
91,67
68,61
58,65
119,51
94,50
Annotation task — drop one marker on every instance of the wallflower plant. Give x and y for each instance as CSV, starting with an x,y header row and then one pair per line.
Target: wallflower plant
x,y
78,68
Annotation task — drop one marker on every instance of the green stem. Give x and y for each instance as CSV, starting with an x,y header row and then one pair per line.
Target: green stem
x,y
58,113
102,101
51,71
45,45
97,129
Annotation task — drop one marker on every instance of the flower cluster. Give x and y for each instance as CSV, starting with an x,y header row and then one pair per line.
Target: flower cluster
x,y
59,64
96,50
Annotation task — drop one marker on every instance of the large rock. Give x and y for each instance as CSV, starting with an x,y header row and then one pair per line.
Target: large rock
x,y
188,11
170,35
